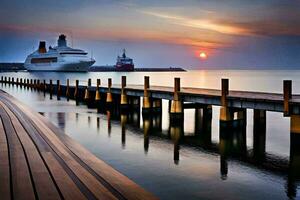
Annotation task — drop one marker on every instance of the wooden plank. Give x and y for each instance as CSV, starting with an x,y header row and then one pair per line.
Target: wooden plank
x,y
121,183
45,187
65,183
4,165
22,187
89,180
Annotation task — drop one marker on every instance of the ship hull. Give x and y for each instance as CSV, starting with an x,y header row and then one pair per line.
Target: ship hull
x,y
63,67
124,67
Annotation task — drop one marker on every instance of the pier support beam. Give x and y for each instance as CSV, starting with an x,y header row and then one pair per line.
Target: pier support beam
x,y
44,87
157,105
58,89
98,96
76,91
123,100
294,164
259,134
38,85
109,98
287,95
86,97
147,106
203,120
176,111
51,88
68,90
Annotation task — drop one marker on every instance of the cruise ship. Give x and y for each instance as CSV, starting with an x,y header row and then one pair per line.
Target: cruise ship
x,y
59,58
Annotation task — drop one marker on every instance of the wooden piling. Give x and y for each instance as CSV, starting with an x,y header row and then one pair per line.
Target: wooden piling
x,y
13,80
287,95
295,124
225,92
44,86
34,84
109,98
259,134
38,84
76,91
176,105
50,88
58,89
146,98
97,95
86,92
123,100
68,89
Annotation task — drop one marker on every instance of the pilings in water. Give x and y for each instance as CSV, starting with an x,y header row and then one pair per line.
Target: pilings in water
x,y
98,98
87,95
68,89
176,110
147,106
109,97
287,95
203,121
259,135
76,91
58,90
50,88
123,100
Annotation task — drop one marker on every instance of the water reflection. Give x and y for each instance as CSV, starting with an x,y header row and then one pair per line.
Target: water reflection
x,y
61,120
123,128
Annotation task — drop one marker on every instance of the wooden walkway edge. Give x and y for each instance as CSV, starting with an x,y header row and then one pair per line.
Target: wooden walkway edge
x,y
39,161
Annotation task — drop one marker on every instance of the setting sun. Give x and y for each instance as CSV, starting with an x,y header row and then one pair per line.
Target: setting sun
x,y
203,55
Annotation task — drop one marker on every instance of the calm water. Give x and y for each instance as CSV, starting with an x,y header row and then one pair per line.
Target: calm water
x,y
171,162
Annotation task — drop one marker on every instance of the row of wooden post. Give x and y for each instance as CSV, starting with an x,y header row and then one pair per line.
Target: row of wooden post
x,y
176,105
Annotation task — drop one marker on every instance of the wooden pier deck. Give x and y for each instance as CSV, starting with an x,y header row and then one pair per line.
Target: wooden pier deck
x,y
38,161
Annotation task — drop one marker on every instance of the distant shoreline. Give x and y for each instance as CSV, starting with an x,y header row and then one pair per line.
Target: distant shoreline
x,y
147,69
18,66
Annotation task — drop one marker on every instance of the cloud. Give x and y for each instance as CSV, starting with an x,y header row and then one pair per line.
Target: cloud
x,y
272,24
203,24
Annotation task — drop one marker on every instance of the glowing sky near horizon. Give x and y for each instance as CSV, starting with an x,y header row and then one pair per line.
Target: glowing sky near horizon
x,y
233,33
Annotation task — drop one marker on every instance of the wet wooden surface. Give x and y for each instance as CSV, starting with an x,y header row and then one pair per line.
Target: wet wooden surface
x,y
38,161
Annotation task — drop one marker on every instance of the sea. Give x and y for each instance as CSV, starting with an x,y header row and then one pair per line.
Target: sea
x,y
184,167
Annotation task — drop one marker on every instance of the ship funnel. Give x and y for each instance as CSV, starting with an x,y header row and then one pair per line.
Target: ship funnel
x,y
62,42
42,47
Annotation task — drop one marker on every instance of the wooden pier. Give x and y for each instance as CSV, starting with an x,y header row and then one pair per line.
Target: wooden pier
x,y
233,104
38,161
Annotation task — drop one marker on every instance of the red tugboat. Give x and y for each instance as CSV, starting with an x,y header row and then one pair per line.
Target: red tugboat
x,y
124,63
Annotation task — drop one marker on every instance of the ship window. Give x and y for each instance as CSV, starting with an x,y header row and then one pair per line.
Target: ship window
x,y
44,60
73,53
